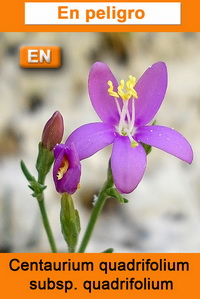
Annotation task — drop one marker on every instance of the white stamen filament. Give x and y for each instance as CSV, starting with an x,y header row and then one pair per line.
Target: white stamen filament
x,y
127,118
118,107
128,114
126,124
123,116
133,142
133,116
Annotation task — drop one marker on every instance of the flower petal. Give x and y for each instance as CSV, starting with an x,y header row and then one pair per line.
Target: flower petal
x,y
128,164
71,178
57,151
166,139
151,88
103,103
90,138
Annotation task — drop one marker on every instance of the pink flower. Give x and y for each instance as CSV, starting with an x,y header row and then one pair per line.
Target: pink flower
x,y
67,168
125,110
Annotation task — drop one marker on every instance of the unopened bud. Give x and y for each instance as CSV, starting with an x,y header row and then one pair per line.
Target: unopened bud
x,y
53,131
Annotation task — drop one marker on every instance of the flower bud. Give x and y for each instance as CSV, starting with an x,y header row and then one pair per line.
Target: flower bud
x,y
70,221
53,131
67,168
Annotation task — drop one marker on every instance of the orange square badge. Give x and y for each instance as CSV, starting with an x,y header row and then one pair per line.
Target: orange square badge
x,y
40,57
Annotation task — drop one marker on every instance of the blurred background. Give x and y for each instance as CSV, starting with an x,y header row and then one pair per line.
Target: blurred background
x,y
163,213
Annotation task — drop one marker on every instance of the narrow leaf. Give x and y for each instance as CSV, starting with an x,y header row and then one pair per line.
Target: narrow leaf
x,y
112,192
109,250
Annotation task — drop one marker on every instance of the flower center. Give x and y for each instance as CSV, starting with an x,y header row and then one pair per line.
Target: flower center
x,y
126,112
63,168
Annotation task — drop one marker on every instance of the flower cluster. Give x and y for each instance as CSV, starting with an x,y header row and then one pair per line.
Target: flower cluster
x,y
126,110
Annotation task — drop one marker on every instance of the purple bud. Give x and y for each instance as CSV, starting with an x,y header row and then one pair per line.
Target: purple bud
x,y
53,131
67,168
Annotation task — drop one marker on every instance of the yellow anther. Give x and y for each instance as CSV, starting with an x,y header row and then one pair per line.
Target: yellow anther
x,y
121,86
110,90
130,91
120,89
130,86
63,168
134,144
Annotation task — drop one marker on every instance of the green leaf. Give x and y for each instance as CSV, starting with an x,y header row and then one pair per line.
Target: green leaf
x,y
147,148
70,221
109,250
110,181
25,171
37,188
112,192
154,122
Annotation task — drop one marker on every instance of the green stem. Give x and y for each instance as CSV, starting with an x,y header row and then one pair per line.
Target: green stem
x,y
39,194
45,220
41,178
97,210
46,224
